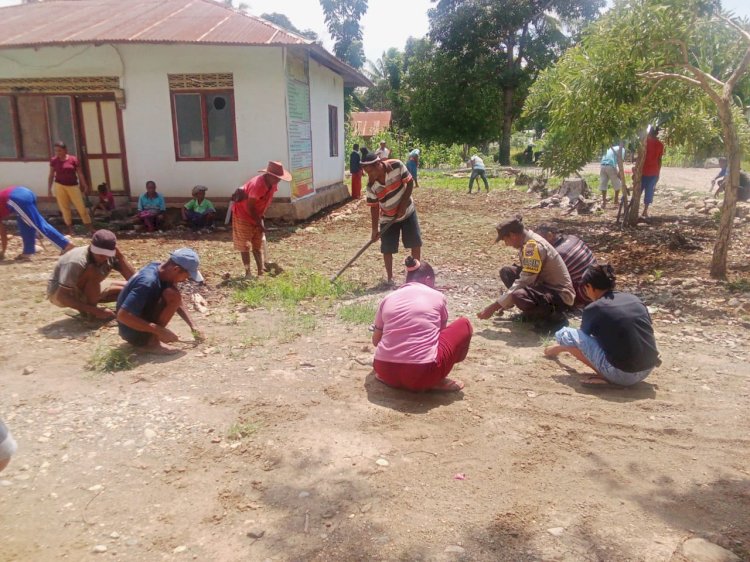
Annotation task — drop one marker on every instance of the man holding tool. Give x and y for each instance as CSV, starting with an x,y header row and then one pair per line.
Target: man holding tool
x,y
389,189
250,203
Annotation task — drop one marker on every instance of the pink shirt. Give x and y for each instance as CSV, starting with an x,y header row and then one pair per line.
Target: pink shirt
x,y
256,189
411,319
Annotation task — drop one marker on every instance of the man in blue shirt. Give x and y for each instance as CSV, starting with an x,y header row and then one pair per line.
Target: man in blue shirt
x,y
609,171
150,299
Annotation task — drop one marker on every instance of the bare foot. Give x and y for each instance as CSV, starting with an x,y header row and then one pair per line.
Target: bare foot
x,y
448,385
159,349
24,257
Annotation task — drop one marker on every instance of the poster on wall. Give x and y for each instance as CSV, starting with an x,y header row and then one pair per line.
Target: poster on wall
x,y
298,124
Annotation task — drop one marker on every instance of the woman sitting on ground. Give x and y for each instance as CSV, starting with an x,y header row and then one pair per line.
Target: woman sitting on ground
x,y
151,208
416,348
616,338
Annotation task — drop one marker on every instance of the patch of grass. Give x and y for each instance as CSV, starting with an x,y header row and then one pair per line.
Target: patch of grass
x,y
242,429
295,326
358,313
739,286
658,274
441,181
109,360
292,287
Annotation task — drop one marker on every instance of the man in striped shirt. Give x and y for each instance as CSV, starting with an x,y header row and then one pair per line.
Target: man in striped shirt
x,y
576,255
389,189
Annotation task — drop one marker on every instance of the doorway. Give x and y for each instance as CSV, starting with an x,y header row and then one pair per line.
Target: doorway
x,y
102,145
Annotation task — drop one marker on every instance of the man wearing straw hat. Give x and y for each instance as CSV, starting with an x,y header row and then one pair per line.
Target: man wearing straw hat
x,y
251,201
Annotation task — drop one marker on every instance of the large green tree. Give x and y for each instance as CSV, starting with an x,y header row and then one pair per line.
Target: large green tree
x,y
447,103
501,44
680,62
387,74
342,18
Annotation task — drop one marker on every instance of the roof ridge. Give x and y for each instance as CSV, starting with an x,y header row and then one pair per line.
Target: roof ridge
x,y
251,16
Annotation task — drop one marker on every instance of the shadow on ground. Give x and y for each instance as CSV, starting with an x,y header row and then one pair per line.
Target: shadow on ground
x,y
405,401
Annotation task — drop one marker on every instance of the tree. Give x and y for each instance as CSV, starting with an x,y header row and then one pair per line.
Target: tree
x,y
241,6
504,44
284,22
447,103
644,59
342,18
387,74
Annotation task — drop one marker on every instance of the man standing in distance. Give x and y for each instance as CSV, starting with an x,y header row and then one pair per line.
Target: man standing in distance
x,y
389,189
251,201
356,171
651,168
383,152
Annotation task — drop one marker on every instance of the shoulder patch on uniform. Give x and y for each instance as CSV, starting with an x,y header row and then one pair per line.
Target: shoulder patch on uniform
x,y
531,260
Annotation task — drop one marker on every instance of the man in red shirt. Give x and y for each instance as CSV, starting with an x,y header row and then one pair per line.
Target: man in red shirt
x,y
651,167
251,201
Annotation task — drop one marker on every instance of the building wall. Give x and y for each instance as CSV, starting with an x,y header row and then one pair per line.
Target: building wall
x,y
326,88
260,112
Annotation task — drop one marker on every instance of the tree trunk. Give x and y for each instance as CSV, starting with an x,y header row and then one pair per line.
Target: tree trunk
x,y
623,205
734,157
504,155
631,218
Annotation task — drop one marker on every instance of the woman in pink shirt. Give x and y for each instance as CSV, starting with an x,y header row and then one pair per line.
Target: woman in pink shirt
x,y
416,348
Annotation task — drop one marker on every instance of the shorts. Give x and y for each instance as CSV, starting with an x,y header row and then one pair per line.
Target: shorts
x,y
411,236
648,183
134,337
570,337
246,235
608,174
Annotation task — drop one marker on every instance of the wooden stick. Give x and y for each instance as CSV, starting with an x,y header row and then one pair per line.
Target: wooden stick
x,y
361,251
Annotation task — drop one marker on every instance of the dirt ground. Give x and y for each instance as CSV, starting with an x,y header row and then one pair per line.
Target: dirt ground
x,y
523,465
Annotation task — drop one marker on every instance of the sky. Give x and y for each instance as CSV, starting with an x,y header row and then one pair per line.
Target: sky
x,y
388,23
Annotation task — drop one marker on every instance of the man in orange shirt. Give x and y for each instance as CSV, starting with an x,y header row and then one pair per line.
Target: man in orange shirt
x,y
651,168
251,201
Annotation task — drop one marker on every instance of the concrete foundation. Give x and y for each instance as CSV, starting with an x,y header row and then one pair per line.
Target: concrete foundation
x,y
301,209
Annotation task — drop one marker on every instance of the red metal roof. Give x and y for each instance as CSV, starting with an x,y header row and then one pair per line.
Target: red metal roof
x,y
370,123
66,22
62,22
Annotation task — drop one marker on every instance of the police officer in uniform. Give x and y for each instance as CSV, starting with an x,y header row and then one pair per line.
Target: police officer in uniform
x,y
540,287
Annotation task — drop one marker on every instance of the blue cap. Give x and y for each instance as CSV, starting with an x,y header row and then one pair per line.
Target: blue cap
x,y
188,259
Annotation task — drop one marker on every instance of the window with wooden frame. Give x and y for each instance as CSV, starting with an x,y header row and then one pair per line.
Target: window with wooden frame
x,y
333,130
31,124
203,116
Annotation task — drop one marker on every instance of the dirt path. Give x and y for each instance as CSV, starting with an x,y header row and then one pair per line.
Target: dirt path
x,y
523,465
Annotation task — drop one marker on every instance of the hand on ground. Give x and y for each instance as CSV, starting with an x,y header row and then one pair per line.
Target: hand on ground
x,y
487,313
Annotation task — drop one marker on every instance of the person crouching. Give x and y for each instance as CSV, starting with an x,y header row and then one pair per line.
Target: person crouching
x,y
616,338
416,348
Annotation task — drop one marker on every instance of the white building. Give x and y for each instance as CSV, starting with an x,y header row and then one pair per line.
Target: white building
x,y
182,92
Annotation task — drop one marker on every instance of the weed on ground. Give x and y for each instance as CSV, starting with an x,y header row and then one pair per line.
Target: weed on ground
x,y
291,288
109,360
